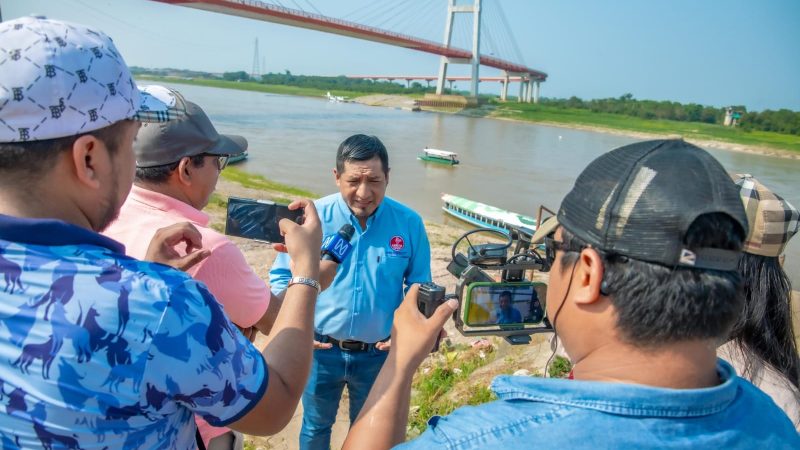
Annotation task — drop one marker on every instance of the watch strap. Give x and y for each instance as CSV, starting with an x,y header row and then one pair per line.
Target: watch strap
x,y
305,280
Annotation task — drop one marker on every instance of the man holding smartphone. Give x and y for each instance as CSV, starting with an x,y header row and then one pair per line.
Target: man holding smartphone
x,y
98,348
354,315
177,167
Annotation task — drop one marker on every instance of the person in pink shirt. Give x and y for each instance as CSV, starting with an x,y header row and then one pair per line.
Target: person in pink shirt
x,y
177,167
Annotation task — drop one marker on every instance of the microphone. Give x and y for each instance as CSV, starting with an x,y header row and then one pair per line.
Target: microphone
x,y
337,246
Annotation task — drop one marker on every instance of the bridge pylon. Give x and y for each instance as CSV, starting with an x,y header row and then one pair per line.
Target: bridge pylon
x,y
452,10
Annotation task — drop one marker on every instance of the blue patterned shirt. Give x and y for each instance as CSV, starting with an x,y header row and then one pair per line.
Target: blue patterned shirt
x,y
390,255
99,350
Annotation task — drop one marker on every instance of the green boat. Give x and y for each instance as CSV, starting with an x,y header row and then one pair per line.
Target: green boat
x,y
486,216
237,158
439,156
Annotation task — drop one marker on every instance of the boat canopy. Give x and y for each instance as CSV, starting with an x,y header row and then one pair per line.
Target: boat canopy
x,y
489,214
440,153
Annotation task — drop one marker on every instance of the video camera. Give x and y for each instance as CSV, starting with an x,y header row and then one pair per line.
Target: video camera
x,y
514,306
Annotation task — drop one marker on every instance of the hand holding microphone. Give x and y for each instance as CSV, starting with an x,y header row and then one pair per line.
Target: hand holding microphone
x,y
336,247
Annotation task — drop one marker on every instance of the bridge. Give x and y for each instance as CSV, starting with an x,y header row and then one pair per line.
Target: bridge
x,y
428,78
528,77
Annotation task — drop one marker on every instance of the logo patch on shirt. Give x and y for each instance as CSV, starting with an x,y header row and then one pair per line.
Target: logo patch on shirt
x,y
397,243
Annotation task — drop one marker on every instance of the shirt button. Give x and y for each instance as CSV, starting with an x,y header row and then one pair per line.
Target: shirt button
x,y
358,289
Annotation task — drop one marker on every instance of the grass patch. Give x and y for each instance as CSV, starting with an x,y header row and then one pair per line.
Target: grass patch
x,y
690,130
435,380
254,181
254,87
560,367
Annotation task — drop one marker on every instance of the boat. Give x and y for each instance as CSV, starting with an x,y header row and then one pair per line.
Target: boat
x,y
237,158
336,98
487,216
439,156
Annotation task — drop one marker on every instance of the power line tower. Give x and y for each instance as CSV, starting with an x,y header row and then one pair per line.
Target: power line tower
x,y
256,72
452,10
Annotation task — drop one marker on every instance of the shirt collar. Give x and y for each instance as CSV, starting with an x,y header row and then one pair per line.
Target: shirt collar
x,y
344,209
166,203
624,399
52,232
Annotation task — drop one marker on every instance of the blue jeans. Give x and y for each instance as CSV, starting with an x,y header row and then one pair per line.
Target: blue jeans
x,y
331,370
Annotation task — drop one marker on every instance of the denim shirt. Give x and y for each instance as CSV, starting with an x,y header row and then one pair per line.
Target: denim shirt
x,y
545,413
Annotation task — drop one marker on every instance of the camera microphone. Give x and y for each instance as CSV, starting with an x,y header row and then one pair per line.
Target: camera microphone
x,y
337,246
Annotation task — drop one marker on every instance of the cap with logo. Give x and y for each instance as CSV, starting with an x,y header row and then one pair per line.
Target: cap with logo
x,y
773,220
640,200
193,134
60,79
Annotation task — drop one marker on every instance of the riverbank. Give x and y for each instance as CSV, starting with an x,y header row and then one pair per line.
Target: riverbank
x,y
703,134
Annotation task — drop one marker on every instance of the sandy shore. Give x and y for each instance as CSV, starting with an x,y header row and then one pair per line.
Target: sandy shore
x,y
401,101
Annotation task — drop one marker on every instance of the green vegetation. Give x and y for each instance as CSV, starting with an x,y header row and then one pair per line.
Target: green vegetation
x,y
782,121
283,83
560,367
776,129
253,181
434,381
545,112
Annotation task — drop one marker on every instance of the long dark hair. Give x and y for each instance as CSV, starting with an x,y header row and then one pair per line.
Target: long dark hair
x,y
763,334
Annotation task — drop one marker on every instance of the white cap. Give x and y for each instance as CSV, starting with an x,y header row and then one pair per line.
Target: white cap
x,y
60,79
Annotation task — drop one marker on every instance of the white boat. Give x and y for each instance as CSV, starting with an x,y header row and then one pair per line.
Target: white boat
x,y
487,216
335,98
439,156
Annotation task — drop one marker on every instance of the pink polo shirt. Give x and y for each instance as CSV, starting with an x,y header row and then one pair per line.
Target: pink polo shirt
x,y
243,295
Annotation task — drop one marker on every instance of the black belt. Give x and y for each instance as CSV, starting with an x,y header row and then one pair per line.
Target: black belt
x,y
346,345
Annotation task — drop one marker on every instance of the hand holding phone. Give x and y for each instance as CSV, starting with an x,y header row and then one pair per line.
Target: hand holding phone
x,y
258,219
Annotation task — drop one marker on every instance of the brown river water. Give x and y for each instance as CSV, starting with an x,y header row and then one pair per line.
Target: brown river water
x,y
511,165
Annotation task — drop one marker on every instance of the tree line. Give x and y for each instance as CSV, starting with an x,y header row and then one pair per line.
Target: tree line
x,y
782,121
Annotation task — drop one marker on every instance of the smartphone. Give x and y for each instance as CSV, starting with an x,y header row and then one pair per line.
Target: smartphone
x,y
505,306
258,219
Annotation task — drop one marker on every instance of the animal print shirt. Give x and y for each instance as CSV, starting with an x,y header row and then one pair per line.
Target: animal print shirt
x,y
98,350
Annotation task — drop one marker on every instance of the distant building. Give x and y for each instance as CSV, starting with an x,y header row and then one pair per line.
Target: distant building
x,y
731,117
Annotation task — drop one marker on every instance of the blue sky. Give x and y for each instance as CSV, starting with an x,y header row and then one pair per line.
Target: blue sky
x,y
711,52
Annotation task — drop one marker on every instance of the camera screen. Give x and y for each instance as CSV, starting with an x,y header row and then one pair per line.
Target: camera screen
x,y
505,305
257,219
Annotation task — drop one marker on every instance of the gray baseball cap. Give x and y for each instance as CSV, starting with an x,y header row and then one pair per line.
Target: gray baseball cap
x,y
158,144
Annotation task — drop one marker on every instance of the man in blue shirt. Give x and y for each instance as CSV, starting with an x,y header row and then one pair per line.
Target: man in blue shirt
x,y
643,285
99,350
506,313
354,315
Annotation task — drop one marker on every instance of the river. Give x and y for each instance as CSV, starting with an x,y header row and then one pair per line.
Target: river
x,y
511,165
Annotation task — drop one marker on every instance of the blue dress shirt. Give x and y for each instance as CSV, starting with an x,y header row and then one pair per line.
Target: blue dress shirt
x,y
389,256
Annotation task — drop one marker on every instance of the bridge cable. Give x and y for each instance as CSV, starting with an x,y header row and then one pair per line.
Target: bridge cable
x,y
314,8
150,33
517,51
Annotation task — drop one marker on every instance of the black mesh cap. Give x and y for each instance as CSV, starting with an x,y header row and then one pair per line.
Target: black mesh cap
x,y
639,201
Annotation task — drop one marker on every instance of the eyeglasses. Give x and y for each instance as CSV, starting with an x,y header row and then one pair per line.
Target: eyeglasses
x,y
551,246
222,160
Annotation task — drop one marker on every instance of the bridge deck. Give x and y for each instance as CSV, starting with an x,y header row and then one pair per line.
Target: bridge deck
x,y
293,17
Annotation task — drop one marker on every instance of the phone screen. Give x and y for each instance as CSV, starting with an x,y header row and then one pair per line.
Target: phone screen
x,y
505,306
258,219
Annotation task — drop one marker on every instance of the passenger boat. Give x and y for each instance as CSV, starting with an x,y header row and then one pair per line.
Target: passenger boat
x,y
486,216
439,156
237,158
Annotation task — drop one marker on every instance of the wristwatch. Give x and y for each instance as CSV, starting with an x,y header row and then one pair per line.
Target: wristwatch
x,y
307,281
